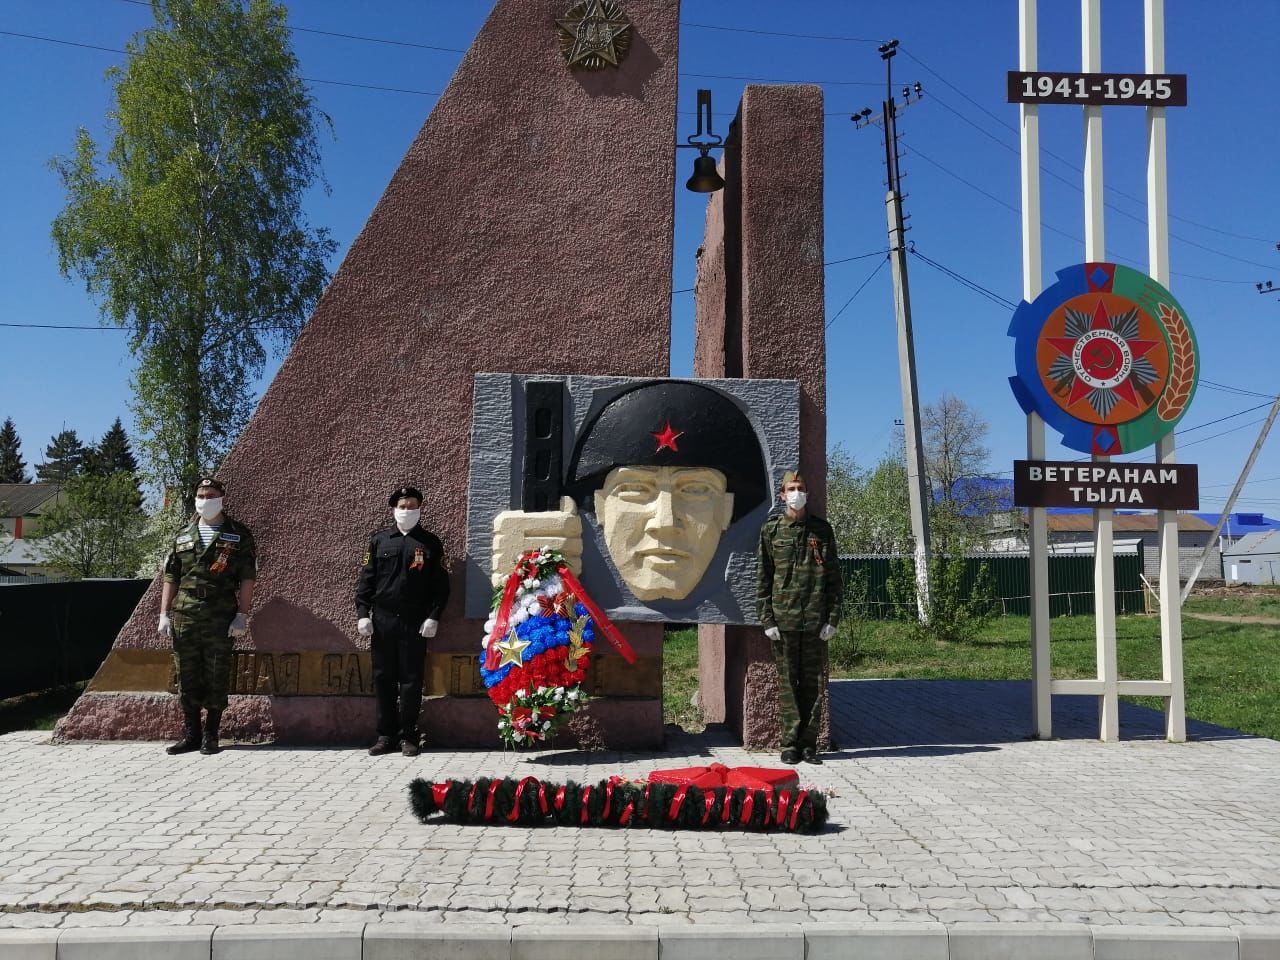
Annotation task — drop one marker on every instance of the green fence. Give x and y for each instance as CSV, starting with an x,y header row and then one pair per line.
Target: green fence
x,y
1070,582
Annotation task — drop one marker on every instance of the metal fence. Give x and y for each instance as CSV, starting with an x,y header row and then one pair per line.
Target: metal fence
x,y
57,633
1070,582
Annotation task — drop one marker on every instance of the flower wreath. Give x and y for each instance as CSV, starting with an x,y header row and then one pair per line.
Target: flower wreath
x,y
537,644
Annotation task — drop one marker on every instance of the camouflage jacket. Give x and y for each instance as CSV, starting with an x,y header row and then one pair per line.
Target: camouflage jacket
x,y
207,578
800,586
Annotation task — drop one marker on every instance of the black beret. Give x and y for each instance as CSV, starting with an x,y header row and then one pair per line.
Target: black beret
x,y
400,493
672,423
211,482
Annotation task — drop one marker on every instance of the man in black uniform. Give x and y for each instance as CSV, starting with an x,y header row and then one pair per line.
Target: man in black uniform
x,y
403,588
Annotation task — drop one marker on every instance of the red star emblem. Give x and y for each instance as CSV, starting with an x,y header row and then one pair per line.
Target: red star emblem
x,y
1102,359
667,438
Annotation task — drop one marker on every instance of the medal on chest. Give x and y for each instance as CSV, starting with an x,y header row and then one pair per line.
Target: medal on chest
x,y
418,560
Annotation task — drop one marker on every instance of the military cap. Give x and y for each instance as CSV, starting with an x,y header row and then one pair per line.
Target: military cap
x,y
672,423
212,482
792,476
399,493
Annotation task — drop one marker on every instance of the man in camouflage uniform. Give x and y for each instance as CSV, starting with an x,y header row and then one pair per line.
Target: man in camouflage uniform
x,y
798,604
204,605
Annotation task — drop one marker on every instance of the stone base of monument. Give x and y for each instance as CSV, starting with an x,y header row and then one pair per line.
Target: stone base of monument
x,y
614,724
325,698
738,686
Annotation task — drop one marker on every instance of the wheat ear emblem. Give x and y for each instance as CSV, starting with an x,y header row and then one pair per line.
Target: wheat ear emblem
x,y
1182,366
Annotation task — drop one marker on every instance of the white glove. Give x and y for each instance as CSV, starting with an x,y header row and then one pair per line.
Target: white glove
x,y
165,626
773,634
239,626
826,633
364,627
429,628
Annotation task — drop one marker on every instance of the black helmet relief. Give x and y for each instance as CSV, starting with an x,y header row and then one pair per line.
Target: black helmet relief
x,y
672,423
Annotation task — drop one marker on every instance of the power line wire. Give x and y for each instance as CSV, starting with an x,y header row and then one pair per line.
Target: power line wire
x,y
1063,160
1228,388
828,263
1230,483
1215,436
775,33
861,286
916,152
1230,416
960,278
345,36
337,83
821,83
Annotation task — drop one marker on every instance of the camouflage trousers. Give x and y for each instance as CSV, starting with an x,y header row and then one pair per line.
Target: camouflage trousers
x,y
802,664
202,650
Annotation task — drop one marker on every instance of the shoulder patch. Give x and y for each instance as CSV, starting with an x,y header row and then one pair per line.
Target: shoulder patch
x,y
230,537
184,541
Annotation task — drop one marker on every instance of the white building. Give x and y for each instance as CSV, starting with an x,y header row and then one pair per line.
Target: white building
x,y
1254,558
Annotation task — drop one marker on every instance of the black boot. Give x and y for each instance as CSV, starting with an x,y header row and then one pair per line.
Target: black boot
x,y
190,736
209,745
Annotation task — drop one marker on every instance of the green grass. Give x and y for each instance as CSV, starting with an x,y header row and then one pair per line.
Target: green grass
x,y
1239,602
1232,670
37,711
680,679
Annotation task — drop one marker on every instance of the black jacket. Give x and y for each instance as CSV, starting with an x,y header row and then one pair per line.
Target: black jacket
x,y
405,574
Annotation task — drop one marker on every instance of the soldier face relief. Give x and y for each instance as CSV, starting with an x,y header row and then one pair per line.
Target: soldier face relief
x,y
662,526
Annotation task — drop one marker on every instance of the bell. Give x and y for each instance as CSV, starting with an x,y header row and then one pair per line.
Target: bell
x,y
705,179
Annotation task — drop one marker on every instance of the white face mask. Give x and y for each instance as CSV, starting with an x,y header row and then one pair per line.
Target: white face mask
x,y
208,507
406,519
796,499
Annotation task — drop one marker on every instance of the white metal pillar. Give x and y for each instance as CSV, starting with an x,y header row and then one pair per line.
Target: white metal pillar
x,y
1032,284
1104,594
1158,259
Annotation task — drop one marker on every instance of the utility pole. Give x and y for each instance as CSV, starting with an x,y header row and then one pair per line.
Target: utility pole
x,y
1231,500
917,478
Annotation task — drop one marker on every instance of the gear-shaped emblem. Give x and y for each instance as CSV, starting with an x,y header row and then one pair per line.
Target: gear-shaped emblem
x,y
1106,357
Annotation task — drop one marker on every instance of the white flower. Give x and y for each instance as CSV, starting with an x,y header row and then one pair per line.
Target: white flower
x,y
521,693
531,584
559,692
490,624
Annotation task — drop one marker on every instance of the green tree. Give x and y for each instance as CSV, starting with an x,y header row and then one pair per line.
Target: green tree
x,y
63,458
191,232
13,469
111,454
96,530
868,509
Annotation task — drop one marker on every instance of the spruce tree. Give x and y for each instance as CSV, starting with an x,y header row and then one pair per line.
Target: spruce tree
x,y
13,469
63,458
112,454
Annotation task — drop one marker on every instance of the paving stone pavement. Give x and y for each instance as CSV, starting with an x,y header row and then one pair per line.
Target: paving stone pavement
x,y
942,810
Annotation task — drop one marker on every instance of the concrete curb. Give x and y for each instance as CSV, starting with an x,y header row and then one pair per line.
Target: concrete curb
x,y
660,941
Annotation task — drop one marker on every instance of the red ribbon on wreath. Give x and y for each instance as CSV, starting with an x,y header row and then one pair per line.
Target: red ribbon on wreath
x,y
523,569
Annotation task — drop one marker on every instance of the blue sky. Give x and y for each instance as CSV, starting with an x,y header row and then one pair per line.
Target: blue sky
x,y
960,162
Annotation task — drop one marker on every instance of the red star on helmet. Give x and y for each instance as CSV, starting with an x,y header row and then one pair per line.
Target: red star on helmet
x,y
667,438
